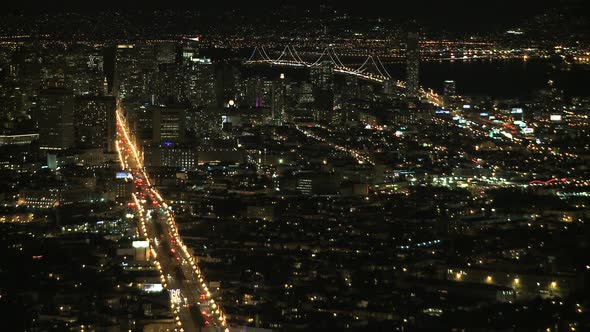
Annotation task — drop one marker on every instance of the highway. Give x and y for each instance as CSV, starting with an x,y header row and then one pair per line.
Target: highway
x,y
193,307
359,156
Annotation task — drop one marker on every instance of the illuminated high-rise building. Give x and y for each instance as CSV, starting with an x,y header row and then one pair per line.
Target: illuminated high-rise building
x,y
305,93
56,119
94,119
165,53
152,125
190,49
322,75
449,88
28,69
412,65
278,101
13,103
199,82
85,71
140,120
324,105
168,124
322,79
168,83
127,75
449,91
53,68
135,68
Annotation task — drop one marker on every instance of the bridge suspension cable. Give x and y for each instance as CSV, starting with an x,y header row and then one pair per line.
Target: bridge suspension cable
x,y
282,54
297,55
299,61
289,56
252,55
382,66
264,54
337,58
362,67
320,58
332,58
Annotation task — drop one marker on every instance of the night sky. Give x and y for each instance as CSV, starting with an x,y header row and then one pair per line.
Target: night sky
x,y
462,15
432,10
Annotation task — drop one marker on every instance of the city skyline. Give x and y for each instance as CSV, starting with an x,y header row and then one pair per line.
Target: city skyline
x,y
295,166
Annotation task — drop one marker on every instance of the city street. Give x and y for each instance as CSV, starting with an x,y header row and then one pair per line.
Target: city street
x,y
194,308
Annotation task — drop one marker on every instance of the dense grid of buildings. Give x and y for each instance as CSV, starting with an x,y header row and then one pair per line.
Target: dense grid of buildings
x,y
312,199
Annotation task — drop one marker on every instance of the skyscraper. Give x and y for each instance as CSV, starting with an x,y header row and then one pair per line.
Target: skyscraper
x,y
53,68
56,119
190,49
168,83
199,82
85,70
165,53
278,101
324,105
94,119
135,67
168,124
412,65
322,76
127,76
450,89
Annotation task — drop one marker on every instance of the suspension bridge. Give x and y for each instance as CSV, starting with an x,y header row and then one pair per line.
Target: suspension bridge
x,y
372,69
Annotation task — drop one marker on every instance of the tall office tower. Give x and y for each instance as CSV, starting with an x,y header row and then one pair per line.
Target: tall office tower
x,y
243,91
147,65
263,91
85,70
56,119
28,69
135,66
165,53
449,91
94,120
449,88
127,75
228,84
237,84
53,68
351,89
12,105
199,87
248,88
6,71
322,76
412,65
324,105
278,101
140,119
305,95
190,49
168,124
168,84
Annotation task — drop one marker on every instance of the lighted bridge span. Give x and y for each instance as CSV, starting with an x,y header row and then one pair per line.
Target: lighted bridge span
x,y
372,69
